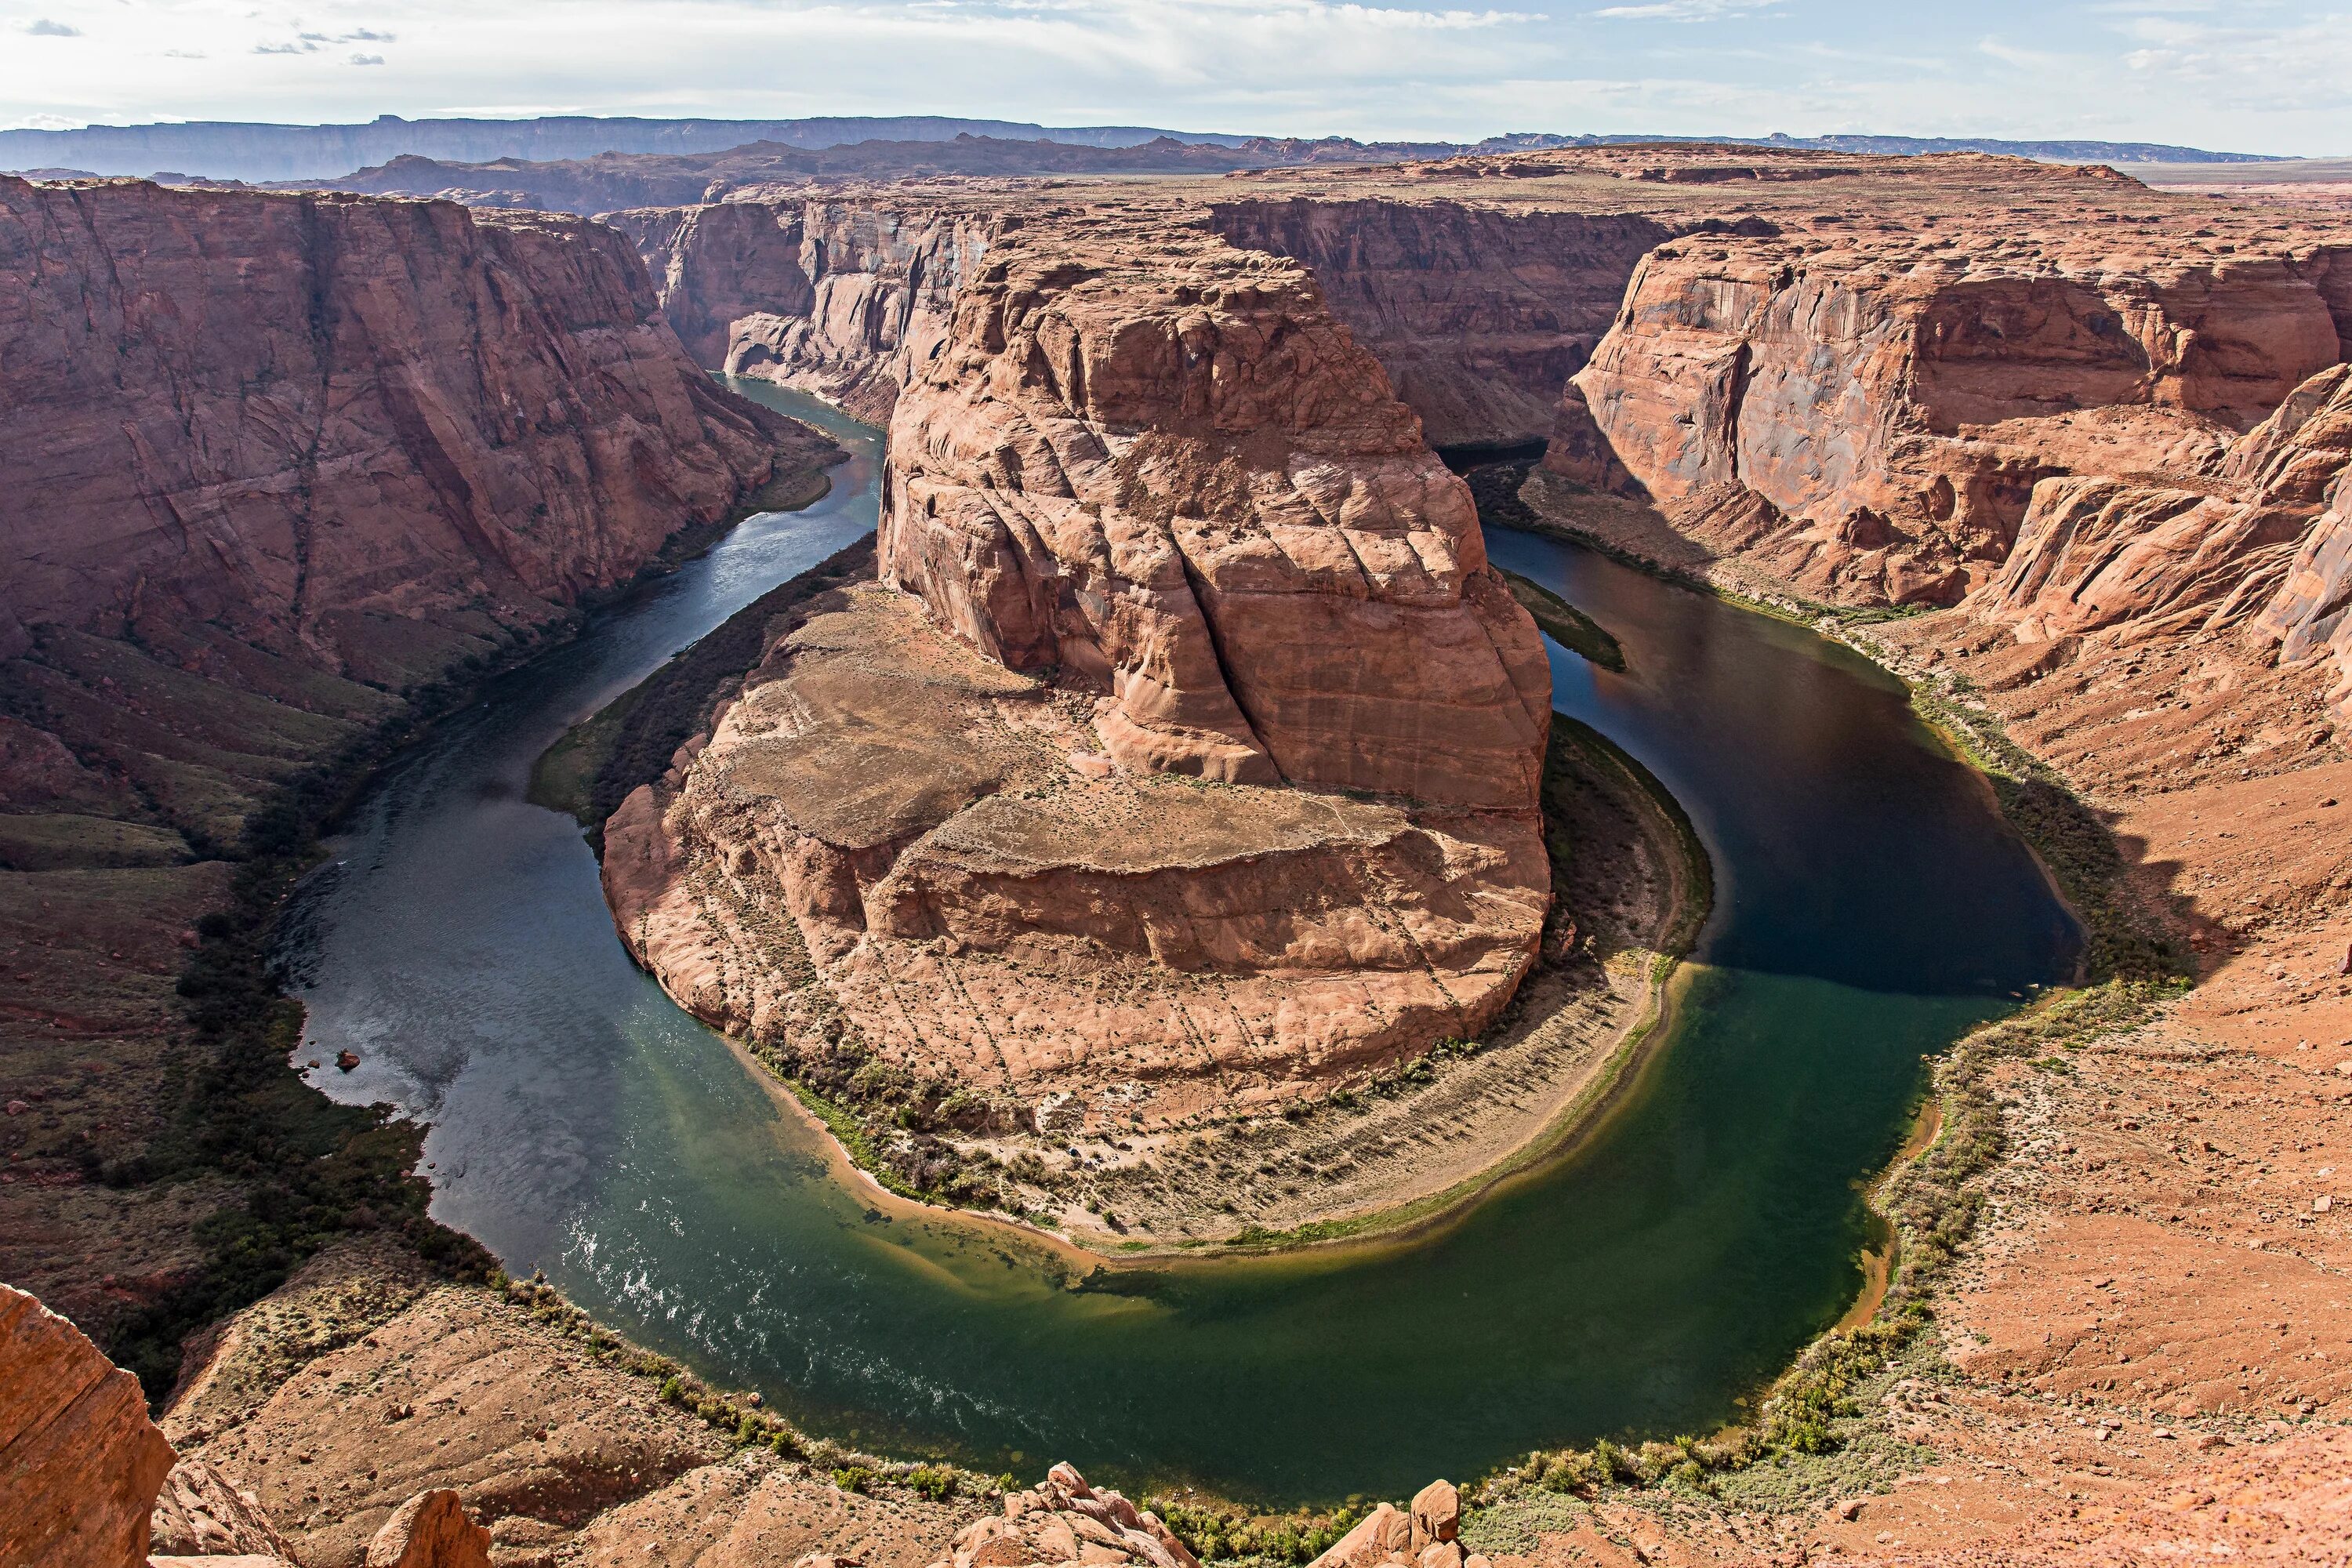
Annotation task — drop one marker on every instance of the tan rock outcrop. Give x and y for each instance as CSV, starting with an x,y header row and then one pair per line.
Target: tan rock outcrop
x,y
1424,1535
2261,549
1064,1519
431,1530
79,1460
1071,809
201,1513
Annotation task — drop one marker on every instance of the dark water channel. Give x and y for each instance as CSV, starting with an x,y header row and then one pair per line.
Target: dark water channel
x,y
1871,908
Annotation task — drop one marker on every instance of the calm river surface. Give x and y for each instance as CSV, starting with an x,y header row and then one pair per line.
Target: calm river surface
x,y
1871,908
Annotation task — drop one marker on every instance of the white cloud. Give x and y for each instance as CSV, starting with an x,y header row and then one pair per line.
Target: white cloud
x,y
2305,66
2248,74
42,28
367,59
1683,10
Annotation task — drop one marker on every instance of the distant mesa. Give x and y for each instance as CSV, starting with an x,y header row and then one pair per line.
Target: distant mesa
x,y
254,152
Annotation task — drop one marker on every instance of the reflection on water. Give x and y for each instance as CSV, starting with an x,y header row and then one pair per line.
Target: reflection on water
x,y
1872,909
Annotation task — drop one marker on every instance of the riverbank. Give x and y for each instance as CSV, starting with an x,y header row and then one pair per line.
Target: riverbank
x,y
177,1165
1400,1149
2061,1356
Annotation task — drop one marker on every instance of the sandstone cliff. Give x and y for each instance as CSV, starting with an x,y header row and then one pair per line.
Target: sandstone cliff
x,y
326,424
1478,313
1179,477
1188,755
1867,417
273,461
836,297
80,1461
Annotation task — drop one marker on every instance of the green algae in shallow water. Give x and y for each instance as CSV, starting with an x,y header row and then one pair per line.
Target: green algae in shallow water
x,y
1870,908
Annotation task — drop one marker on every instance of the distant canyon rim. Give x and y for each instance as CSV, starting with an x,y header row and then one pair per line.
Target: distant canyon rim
x,y
1185,759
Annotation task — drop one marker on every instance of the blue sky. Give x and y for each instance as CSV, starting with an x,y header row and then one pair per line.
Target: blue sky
x,y
2252,76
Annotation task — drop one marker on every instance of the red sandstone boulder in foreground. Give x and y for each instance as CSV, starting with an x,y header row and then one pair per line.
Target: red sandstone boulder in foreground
x,y
79,1460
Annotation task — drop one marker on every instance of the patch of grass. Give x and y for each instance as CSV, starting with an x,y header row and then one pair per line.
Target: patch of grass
x,y
1221,1533
2122,938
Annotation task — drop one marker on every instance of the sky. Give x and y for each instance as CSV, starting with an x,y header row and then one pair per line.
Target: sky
x,y
2230,75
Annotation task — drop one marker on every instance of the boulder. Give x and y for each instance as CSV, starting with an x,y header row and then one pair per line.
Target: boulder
x,y
80,1461
1064,1519
200,1513
431,1530
1436,1514
1424,1536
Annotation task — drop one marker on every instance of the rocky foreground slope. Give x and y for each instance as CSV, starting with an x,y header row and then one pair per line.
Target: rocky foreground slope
x,y
1186,755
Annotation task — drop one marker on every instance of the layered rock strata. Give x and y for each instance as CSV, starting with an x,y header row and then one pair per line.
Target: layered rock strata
x,y
1866,417
832,295
274,462
315,422
1479,314
1187,754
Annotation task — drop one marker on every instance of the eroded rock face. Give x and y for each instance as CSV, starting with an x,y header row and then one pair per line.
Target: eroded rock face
x,y
331,426
835,296
1478,315
1177,476
1868,419
80,1461
2261,550
201,1513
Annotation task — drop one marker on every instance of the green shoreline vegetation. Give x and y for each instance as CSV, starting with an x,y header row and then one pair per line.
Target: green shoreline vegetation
x,y
1565,623
1811,1438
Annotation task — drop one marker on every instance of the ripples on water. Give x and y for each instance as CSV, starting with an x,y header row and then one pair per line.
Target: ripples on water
x,y
1872,909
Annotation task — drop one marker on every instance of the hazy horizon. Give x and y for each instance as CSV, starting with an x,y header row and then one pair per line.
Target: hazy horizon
x,y
2245,78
